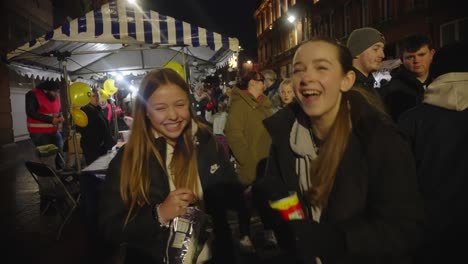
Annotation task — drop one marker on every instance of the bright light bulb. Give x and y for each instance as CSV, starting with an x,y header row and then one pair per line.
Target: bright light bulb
x,y
291,19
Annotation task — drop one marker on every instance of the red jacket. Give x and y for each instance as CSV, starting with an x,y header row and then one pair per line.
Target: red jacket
x,y
46,107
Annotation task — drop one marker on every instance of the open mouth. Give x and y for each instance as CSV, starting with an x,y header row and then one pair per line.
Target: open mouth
x,y
310,93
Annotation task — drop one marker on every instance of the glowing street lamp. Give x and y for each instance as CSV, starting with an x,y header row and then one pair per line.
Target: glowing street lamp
x,y
291,18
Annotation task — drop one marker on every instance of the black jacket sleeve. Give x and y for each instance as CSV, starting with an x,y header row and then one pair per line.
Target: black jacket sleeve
x,y
32,106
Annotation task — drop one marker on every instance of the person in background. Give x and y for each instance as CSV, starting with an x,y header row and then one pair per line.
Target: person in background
x,y
43,117
271,87
347,162
406,88
286,93
367,48
249,141
219,122
438,131
96,138
201,100
171,161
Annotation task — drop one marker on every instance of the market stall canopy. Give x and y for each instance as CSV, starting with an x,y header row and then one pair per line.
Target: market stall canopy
x,y
120,38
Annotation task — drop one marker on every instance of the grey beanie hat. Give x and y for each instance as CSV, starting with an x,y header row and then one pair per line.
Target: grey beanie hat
x,y
362,38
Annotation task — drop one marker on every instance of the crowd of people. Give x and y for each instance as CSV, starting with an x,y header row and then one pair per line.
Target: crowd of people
x,y
379,173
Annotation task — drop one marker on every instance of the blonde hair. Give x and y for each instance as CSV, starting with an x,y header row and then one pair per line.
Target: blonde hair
x,y
135,175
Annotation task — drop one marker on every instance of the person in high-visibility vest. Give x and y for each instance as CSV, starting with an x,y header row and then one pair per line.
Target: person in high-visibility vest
x,y
44,117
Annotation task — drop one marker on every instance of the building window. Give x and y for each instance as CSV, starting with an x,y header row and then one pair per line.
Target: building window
x,y
387,9
278,8
365,12
456,30
347,18
417,4
270,15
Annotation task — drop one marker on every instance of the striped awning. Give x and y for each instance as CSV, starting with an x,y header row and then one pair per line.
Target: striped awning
x,y
149,38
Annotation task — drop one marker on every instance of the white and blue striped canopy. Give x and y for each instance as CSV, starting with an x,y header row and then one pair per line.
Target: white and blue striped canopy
x,y
117,37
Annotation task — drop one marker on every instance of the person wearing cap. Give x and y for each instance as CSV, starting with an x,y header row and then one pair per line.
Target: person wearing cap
x,y
367,48
44,117
406,88
437,129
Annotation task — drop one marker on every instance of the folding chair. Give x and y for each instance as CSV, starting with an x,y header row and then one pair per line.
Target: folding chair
x,y
61,193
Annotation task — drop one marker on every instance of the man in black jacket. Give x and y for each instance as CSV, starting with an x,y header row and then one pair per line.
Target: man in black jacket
x,y
367,48
406,89
96,138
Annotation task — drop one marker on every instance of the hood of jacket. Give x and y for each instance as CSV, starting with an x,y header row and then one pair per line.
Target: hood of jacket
x,y
449,91
238,94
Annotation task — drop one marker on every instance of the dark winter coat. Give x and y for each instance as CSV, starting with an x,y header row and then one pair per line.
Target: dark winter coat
x,y
374,211
96,138
404,91
438,130
366,82
143,235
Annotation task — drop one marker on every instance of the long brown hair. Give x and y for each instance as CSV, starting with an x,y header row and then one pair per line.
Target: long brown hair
x,y
331,153
135,174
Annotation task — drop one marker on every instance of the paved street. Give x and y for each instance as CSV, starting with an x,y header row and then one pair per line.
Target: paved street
x,y
33,236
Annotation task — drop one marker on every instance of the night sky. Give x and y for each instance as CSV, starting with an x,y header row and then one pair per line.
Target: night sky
x,y
233,18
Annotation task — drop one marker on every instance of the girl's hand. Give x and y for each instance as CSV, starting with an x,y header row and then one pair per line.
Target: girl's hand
x,y
176,203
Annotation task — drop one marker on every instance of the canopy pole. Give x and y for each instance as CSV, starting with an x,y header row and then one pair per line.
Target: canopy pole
x,y
185,70
70,126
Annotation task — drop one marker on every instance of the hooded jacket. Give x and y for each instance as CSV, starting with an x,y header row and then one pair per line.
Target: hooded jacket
x,y
438,129
245,133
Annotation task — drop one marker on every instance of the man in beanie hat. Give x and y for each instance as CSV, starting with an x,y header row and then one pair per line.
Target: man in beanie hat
x,y
43,116
367,48
408,83
438,130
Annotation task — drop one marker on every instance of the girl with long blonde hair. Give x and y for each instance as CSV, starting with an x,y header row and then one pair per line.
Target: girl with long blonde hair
x,y
171,161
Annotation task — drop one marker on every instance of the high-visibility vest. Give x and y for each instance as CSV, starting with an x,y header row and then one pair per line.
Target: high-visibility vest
x,y
46,107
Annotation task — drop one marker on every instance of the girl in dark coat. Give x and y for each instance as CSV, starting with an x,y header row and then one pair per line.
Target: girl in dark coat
x,y
350,167
170,161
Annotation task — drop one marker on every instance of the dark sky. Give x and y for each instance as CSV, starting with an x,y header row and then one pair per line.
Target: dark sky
x,y
233,18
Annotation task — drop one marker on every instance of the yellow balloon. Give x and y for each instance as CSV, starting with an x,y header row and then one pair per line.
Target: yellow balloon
x,y
176,67
79,117
104,95
109,87
80,94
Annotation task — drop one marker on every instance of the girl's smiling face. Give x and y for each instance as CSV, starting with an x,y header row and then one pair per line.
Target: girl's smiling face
x,y
168,111
319,80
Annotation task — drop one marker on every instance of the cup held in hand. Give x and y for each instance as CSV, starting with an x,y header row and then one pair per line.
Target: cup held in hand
x,y
289,207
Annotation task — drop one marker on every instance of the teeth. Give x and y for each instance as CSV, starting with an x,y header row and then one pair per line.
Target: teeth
x,y
311,92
